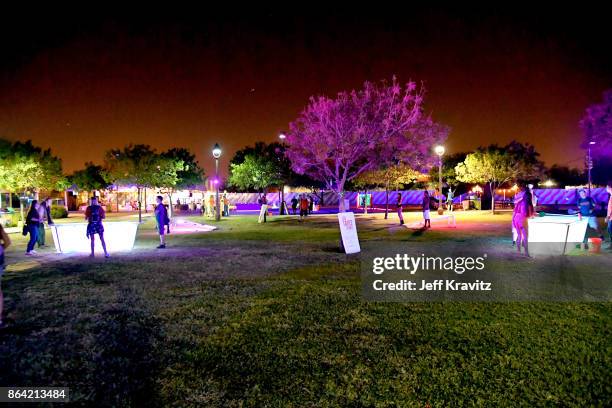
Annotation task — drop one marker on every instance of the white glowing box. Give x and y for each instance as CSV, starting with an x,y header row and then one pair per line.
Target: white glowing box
x,y
119,236
555,233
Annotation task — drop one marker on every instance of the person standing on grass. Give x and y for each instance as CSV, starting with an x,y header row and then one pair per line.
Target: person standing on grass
x,y
32,226
263,212
5,242
400,208
609,212
211,205
94,214
226,204
425,206
294,204
162,219
303,207
586,207
450,194
523,210
44,213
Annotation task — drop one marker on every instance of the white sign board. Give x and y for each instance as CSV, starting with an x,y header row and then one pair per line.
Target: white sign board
x,y
71,237
348,229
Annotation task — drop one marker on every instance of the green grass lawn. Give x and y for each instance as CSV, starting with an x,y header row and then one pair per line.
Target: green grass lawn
x,y
272,315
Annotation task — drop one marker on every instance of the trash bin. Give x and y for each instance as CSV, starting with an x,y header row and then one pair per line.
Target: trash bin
x,y
595,245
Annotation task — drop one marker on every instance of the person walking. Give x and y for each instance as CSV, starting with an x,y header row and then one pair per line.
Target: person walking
x,y
32,226
5,242
303,207
163,221
294,204
226,205
586,208
425,205
400,208
44,213
94,214
523,209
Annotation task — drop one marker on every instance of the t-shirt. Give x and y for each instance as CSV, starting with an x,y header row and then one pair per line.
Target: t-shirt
x,y
161,215
95,213
610,207
303,204
586,206
294,202
425,203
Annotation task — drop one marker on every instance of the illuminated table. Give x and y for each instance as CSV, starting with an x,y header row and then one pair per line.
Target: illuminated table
x,y
552,233
72,237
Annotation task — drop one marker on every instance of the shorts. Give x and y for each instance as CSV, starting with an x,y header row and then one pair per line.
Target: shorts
x,y
94,228
593,222
426,214
161,229
303,213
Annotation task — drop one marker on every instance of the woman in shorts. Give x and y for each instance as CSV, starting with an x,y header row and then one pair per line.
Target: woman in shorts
x,y
425,206
523,209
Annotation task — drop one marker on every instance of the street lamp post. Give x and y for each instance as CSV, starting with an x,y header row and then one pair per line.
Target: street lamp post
x,y
216,154
282,136
590,164
440,152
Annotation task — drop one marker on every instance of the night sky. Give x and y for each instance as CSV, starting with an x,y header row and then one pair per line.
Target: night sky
x,y
86,81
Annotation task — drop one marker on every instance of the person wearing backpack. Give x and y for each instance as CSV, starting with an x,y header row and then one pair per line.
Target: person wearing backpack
x,y
94,214
5,242
163,221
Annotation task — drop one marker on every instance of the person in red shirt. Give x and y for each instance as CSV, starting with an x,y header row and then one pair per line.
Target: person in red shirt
x,y
304,205
94,214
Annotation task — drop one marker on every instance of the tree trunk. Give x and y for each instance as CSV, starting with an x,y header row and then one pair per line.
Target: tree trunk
x,y
170,206
341,207
139,206
117,197
145,199
387,203
21,208
10,203
491,187
281,194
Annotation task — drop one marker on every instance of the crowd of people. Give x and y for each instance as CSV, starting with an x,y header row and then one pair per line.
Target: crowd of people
x,y
525,202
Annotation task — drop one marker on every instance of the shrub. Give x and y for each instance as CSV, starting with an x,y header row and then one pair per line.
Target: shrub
x,y
58,211
10,220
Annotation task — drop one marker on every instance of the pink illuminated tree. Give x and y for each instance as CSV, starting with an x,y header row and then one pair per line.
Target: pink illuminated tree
x,y
334,140
597,126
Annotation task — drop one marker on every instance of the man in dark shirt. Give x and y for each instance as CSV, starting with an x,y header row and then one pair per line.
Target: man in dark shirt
x,y
294,204
586,207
